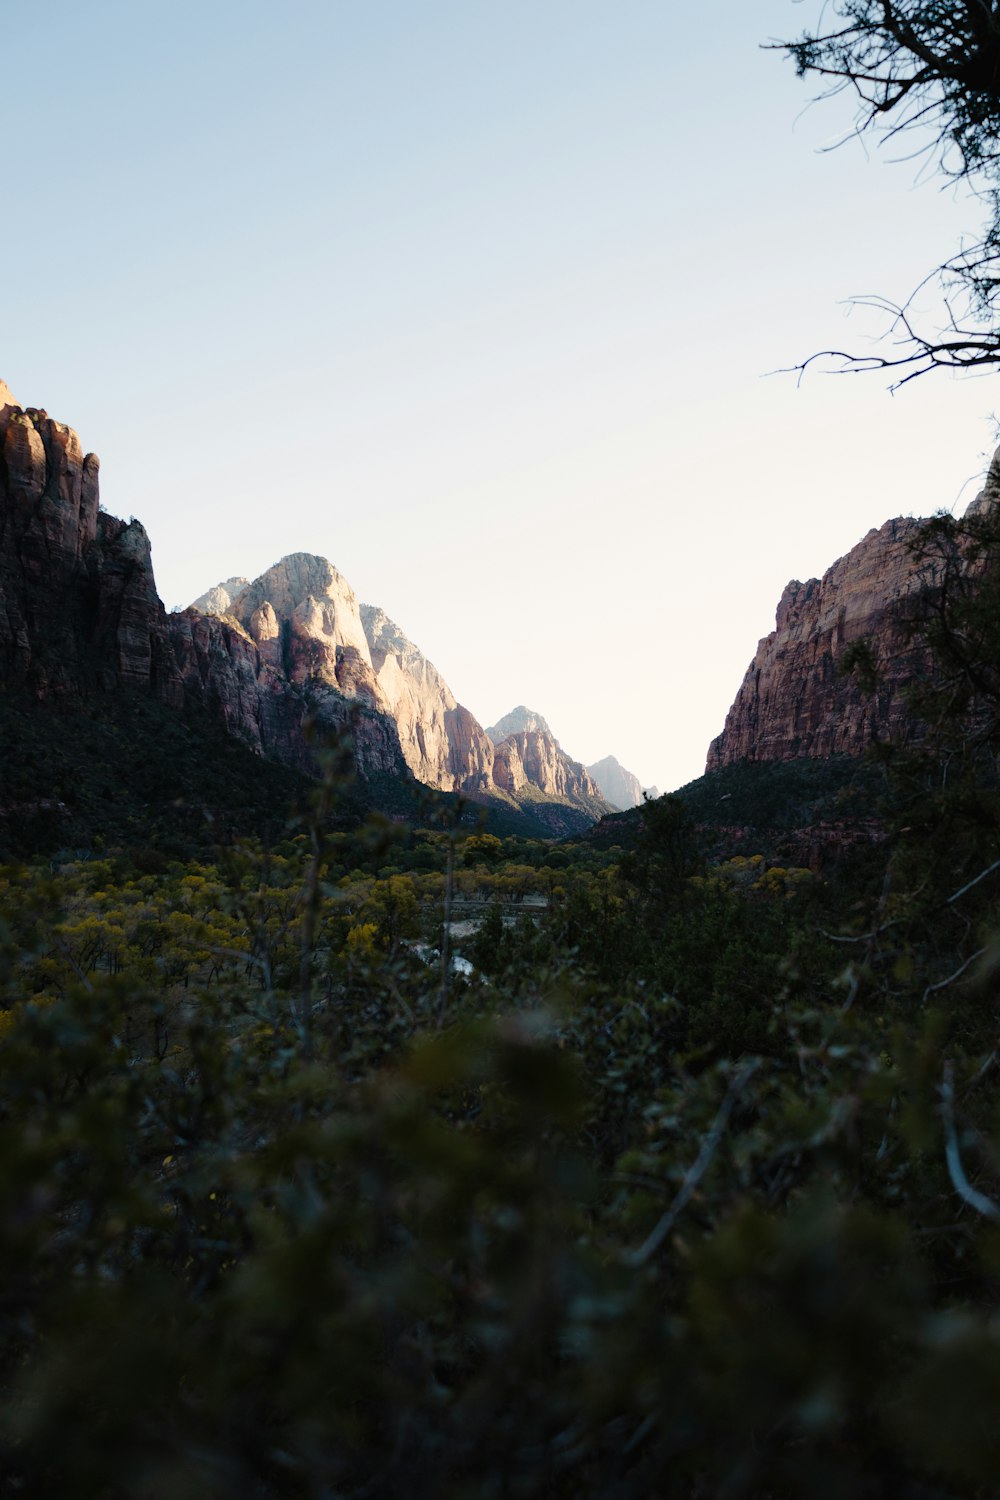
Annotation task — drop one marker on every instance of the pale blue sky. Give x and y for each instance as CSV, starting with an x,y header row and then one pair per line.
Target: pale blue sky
x,y
476,299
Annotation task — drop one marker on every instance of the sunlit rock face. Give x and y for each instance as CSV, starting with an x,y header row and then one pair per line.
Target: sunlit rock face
x,y
520,720
527,754
305,621
218,600
795,700
297,627
549,768
618,786
79,613
305,616
444,744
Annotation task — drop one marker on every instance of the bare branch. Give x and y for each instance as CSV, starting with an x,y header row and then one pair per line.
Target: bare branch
x,y
933,72
696,1171
981,876
943,983
956,1171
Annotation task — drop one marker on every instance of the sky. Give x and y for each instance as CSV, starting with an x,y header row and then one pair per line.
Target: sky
x,y
483,301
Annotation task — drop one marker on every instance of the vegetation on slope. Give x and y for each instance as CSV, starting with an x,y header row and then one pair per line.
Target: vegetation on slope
x,y
689,1187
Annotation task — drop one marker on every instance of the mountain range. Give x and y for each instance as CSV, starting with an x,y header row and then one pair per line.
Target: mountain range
x,y
265,659
307,623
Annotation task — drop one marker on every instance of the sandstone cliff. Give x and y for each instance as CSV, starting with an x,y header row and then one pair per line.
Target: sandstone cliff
x,y
306,623
304,618
520,720
80,615
795,700
78,606
444,744
79,612
528,757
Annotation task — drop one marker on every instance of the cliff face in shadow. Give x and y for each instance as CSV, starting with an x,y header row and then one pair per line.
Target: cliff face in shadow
x,y
264,659
78,607
795,699
80,614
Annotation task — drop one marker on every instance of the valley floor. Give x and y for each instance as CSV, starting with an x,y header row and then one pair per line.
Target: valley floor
x,y
685,1185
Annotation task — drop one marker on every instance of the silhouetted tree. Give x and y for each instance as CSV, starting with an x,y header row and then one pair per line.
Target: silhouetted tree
x,y
925,73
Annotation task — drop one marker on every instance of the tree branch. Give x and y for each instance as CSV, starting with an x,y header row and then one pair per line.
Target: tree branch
x,y
963,1187
696,1171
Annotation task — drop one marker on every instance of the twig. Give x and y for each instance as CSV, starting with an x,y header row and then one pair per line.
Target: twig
x,y
956,1171
981,876
696,1171
943,983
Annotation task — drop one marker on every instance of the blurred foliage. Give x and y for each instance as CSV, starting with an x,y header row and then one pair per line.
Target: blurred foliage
x,y
690,1188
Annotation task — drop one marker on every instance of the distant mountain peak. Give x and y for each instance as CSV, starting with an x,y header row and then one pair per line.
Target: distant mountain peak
x,y
621,788
219,600
520,720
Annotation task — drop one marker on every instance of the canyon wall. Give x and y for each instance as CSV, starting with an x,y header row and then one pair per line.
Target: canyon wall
x,y
795,699
79,612
306,620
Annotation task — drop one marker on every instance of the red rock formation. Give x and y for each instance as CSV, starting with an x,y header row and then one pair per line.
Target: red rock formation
x,y
534,758
79,613
795,700
306,619
78,605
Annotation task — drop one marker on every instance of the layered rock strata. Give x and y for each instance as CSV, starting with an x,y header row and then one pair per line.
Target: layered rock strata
x,y
78,607
795,699
79,612
533,758
444,744
520,720
306,621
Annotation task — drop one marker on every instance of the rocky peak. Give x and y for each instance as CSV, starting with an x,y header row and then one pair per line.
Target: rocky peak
x,y
532,757
78,605
616,785
989,495
218,600
520,720
304,620
304,616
